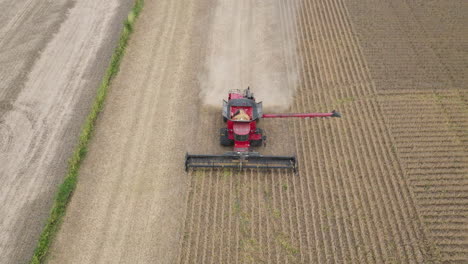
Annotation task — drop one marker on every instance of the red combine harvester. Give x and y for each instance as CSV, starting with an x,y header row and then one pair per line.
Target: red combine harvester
x,y
241,114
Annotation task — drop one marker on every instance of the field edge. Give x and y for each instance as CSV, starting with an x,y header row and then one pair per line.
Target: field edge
x,y
66,189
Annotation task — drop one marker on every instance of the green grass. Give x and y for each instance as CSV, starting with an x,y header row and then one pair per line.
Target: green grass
x,y
286,245
66,189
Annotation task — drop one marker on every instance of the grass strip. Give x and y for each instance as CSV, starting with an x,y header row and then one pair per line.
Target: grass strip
x,y
66,189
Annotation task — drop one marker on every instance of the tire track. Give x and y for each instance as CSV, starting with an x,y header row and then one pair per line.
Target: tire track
x,y
21,43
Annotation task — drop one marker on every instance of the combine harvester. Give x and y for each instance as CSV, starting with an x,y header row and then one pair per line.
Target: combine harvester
x,y
241,113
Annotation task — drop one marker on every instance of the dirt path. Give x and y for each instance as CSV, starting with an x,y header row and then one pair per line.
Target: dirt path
x,y
52,56
129,202
356,198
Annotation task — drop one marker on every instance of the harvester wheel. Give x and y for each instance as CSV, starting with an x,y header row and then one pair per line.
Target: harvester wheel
x,y
259,142
224,138
256,143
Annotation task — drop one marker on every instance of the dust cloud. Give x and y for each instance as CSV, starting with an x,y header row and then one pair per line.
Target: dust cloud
x,y
249,46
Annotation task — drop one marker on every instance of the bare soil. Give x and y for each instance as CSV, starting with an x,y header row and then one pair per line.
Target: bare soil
x,y
129,203
52,55
384,184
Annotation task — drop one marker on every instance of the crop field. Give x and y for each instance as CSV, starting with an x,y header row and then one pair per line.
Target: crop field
x,y
386,183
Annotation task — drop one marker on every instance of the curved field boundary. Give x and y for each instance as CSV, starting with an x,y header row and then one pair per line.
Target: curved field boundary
x,y
68,186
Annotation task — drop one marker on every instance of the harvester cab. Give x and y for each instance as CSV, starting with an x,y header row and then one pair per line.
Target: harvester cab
x,y
241,114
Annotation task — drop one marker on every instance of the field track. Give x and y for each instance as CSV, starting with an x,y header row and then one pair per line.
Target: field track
x,y
385,184
52,58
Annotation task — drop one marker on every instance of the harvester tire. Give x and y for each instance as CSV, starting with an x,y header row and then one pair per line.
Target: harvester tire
x,y
259,142
256,143
224,139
